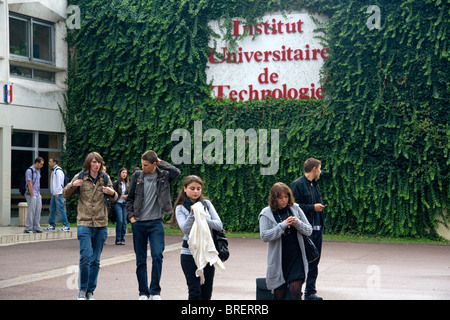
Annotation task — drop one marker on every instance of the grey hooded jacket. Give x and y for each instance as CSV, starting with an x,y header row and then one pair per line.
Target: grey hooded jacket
x,y
271,231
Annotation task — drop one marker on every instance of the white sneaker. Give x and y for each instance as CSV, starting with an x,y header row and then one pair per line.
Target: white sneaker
x,y
155,297
143,297
81,295
90,296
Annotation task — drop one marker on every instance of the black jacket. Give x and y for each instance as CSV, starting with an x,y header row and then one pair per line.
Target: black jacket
x,y
302,192
117,187
166,174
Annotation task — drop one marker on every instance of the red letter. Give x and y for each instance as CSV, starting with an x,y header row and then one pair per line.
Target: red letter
x,y
236,28
211,55
240,94
274,77
294,95
274,93
303,92
266,27
299,26
232,93
313,94
253,92
280,24
219,91
265,76
258,55
315,51
319,93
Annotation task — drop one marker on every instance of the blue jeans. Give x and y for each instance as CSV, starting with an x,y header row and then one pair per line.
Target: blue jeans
x,y
57,203
91,245
121,225
143,231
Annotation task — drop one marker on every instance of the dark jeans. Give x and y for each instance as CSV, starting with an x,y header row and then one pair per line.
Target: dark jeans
x,y
144,231
313,270
91,245
197,291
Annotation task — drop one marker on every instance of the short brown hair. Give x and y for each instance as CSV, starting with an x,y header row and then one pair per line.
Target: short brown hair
x,y
276,190
91,156
150,156
310,164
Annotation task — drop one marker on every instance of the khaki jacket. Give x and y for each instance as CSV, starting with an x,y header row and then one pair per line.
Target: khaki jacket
x,y
91,209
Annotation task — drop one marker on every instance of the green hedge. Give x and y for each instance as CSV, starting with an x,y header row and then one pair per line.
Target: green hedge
x,y
137,73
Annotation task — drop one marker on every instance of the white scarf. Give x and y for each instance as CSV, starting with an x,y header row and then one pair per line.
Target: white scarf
x,y
201,243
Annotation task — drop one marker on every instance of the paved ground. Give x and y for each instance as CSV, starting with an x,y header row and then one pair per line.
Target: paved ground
x,y
348,271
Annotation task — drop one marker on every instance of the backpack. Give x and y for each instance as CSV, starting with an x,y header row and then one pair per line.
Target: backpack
x,y
66,179
23,187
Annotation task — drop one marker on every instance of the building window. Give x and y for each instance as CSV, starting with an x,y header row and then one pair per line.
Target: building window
x,y
31,40
42,42
31,73
18,36
27,146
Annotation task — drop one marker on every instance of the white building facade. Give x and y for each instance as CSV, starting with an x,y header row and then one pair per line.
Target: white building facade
x,y
33,71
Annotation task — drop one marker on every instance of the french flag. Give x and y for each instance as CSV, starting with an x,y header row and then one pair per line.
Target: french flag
x,y
8,93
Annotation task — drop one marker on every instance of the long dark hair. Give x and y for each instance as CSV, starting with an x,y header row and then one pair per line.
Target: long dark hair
x,y
182,195
119,178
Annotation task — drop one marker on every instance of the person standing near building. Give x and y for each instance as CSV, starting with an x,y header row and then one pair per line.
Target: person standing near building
x,y
57,200
148,200
33,196
121,186
306,192
92,219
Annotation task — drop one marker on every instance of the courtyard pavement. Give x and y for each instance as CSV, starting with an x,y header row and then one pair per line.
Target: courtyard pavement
x,y
46,269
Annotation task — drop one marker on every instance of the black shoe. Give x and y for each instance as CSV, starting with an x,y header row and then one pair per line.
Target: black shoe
x,y
313,297
38,231
27,231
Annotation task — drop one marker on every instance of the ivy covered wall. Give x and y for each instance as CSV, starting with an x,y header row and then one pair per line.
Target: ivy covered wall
x,y
137,73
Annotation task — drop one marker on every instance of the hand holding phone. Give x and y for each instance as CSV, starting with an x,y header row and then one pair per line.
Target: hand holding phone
x,y
319,207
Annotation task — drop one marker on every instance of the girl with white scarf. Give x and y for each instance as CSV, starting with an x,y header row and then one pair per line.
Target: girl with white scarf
x,y
198,279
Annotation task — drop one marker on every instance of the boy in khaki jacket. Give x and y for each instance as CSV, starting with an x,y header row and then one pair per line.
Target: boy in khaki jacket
x,y
92,219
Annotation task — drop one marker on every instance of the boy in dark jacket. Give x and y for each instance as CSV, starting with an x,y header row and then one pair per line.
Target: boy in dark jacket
x,y
306,193
148,199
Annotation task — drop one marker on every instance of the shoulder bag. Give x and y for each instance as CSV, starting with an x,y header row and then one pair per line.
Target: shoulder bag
x,y
312,254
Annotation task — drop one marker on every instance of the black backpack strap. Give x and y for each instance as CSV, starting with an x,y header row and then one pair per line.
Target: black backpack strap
x,y
80,176
105,179
105,184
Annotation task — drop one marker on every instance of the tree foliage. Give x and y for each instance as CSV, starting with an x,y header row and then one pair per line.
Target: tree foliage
x,y
137,73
